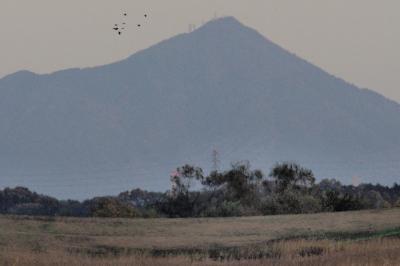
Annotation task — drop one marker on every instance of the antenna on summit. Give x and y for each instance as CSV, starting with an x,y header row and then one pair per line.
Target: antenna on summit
x,y
215,15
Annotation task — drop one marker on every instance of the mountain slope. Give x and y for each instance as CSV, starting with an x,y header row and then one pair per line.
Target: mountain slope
x,y
82,132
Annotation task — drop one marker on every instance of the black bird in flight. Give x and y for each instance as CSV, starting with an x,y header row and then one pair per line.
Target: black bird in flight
x,y
120,29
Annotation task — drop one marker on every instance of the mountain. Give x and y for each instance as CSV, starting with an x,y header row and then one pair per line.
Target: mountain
x,y
83,132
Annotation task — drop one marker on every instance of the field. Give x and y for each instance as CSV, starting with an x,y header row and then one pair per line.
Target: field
x,y
357,238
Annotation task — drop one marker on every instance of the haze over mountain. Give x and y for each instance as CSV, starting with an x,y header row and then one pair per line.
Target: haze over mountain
x,y
83,132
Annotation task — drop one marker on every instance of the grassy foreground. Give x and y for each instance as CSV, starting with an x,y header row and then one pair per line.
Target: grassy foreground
x,y
357,238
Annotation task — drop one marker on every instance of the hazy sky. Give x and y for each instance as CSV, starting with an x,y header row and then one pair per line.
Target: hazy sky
x,y
358,40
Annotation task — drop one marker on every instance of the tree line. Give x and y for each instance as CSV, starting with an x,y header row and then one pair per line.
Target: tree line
x,y
239,191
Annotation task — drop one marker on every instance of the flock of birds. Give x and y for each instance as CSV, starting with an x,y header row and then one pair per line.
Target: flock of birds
x,y
119,28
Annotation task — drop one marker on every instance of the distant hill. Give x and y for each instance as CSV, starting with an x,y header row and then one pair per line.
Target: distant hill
x,y
84,132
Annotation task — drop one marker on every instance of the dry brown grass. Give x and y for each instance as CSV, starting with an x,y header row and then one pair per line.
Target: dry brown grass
x,y
71,241
371,252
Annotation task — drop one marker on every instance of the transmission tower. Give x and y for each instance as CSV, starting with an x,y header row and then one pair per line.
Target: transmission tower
x,y
215,160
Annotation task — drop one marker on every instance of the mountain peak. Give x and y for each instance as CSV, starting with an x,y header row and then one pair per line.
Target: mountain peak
x,y
224,23
229,20
222,86
230,30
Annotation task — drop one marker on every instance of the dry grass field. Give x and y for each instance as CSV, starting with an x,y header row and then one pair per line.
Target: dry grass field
x,y
346,238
